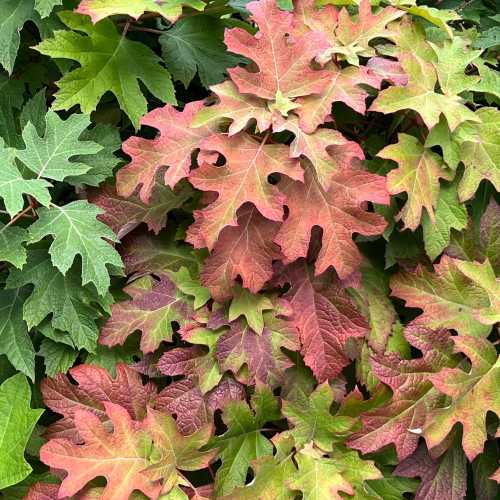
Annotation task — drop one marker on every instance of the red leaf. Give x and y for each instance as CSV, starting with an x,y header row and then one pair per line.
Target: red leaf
x,y
402,420
340,212
95,387
122,215
152,309
172,148
120,457
244,178
284,60
245,251
325,317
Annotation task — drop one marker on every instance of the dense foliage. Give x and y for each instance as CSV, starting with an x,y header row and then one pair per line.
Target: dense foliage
x,y
249,250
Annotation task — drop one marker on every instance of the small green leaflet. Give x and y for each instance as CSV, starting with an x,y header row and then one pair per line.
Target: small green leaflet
x,y
17,421
76,231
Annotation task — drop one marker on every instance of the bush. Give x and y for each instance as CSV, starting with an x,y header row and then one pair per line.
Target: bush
x,y
249,250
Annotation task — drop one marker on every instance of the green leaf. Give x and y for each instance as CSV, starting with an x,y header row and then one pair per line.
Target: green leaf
x,y
15,342
45,7
13,15
11,99
271,475
449,214
453,58
49,155
243,441
196,44
480,152
11,245
251,306
72,306
311,418
186,284
104,162
76,231
58,358
17,421
321,477
109,62
13,185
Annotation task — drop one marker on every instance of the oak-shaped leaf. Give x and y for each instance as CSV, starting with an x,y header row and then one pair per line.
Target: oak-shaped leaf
x,y
242,179
473,393
193,409
12,249
239,109
123,215
311,419
284,60
479,151
447,297
419,95
154,305
94,387
13,15
171,149
246,251
108,62
483,275
400,422
344,85
271,474
450,214
251,306
144,253
418,175
72,308
100,9
322,476
328,150
76,231
243,440
354,35
258,358
340,212
325,317
49,154
443,478
121,456
173,451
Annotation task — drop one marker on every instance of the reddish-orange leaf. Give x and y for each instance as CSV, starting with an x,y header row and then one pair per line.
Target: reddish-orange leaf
x,y
246,251
95,387
119,456
284,60
152,309
172,149
340,212
243,178
325,317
